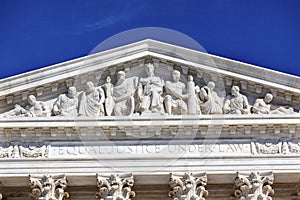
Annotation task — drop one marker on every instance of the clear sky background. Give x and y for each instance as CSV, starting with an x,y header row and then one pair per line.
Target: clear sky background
x,y
35,34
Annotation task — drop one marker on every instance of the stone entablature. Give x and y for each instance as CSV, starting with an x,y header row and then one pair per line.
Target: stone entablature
x,y
192,149
247,126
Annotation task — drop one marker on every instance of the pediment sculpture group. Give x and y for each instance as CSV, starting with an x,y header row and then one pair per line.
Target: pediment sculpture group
x,y
145,95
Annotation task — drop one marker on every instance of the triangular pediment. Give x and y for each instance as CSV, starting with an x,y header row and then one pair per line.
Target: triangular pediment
x,y
48,83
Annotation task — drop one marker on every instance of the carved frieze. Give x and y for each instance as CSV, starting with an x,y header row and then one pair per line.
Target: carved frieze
x,y
139,94
188,186
48,187
254,186
24,150
273,147
115,187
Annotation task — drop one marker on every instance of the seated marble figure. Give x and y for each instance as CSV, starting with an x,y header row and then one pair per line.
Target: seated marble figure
x,y
66,104
176,94
149,92
123,95
236,103
263,106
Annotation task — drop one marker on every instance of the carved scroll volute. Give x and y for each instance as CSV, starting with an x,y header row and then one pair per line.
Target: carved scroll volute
x,y
254,186
188,186
115,187
48,187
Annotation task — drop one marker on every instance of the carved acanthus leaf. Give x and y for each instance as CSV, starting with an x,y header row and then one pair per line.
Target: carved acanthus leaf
x,y
115,186
188,186
48,187
254,186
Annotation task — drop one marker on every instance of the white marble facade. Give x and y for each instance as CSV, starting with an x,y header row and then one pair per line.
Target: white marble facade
x,y
150,120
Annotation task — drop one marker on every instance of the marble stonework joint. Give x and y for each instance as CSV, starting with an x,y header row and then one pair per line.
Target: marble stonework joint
x,y
188,186
48,187
254,186
115,186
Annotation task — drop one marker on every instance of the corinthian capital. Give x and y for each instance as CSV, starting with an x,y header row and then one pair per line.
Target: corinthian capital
x,y
188,186
48,187
115,186
254,186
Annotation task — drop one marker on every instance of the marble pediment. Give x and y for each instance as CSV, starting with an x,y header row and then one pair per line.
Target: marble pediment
x,y
253,82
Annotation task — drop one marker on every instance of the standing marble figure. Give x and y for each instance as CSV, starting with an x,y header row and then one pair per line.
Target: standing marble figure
x,y
123,96
91,101
212,103
192,100
109,101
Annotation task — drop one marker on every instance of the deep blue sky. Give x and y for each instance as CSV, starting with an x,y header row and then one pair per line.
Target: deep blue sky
x,y
35,34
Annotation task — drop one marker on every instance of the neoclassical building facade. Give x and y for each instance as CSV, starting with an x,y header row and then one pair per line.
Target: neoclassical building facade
x,y
150,120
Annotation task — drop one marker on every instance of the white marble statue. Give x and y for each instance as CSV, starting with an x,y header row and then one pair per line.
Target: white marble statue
x,y
236,103
192,99
212,103
123,96
36,108
174,100
66,104
109,101
150,91
33,109
91,101
263,106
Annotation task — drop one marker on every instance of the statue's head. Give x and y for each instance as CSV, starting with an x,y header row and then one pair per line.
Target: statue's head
x,y
108,79
31,99
72,91
90,86
149,69
176,75
211,85
235,90
121,75
268,98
